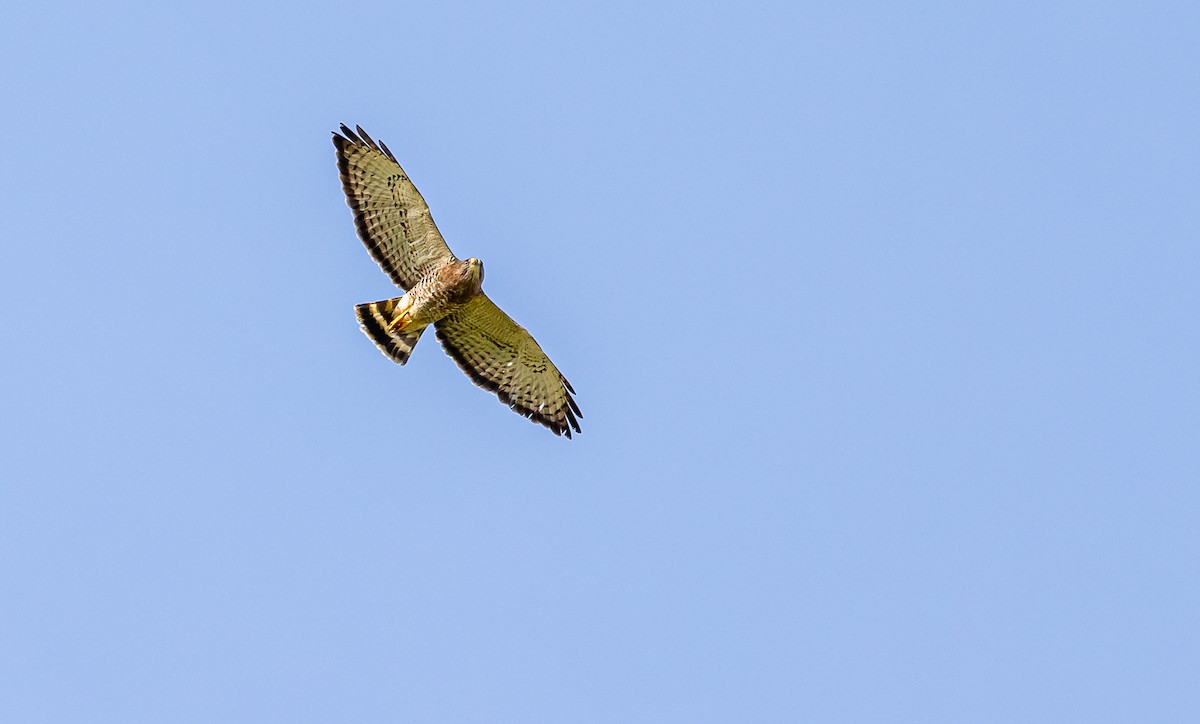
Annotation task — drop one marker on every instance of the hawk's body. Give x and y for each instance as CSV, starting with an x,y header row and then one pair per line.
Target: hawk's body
x,y
393,221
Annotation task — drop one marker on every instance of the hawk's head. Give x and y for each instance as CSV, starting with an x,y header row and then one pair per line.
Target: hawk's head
x,y
475,269
462,279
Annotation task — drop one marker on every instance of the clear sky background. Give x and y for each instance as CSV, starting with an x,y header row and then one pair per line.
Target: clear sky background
x,y
882,316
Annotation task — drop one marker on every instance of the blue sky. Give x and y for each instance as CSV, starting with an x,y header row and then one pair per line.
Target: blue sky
x,y
882,316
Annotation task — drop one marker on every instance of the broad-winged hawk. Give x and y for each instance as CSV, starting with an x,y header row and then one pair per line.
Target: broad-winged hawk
x,y
393,221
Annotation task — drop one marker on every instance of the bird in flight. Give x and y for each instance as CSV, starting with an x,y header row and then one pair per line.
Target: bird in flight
x,y
394,223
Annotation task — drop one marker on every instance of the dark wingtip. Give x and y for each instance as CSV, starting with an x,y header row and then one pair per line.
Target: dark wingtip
x,y
366,137
350,135
361,138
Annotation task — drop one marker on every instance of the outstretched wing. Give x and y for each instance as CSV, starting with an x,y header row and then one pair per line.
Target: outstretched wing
x,y
391,217
499,355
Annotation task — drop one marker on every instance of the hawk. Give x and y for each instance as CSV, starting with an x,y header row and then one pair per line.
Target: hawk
x,y
393,221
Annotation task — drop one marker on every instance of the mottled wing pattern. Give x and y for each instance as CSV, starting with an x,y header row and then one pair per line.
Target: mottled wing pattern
x,y
499,355
392,218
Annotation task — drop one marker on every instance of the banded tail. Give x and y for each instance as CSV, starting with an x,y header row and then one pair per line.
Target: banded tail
x,y
376,320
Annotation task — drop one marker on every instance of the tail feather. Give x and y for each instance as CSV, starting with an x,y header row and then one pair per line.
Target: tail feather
x,y
375,318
